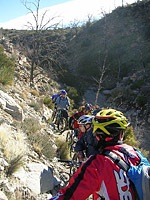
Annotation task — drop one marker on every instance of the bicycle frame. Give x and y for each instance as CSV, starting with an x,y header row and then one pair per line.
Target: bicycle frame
x,y
73,166
61,120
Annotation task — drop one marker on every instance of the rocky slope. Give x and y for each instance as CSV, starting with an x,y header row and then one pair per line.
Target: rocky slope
x,y
20,103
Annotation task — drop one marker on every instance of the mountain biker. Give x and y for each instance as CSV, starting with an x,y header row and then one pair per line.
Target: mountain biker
x,y
73,124
54,97
99,175
62,102
87,141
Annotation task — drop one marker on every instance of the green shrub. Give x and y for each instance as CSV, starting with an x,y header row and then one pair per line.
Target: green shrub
x,y
62,149
7,67
137,84
73,94
48,101
130,138
141,101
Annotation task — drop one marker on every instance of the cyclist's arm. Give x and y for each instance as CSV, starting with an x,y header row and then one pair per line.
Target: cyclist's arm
x,y
82,184
57,100
80,145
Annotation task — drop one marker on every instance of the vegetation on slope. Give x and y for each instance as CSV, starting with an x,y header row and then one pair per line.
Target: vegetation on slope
x,y
119,43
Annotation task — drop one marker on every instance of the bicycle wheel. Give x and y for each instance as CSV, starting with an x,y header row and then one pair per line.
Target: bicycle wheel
x,y
62,124
65,177
53,116
75,156
72,146
69,136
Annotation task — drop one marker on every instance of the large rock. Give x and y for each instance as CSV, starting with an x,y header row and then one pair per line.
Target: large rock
x,y
2,196
38,177
8,104
47,113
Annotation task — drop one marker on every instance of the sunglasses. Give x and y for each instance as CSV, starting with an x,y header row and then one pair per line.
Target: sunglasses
x,y
81,125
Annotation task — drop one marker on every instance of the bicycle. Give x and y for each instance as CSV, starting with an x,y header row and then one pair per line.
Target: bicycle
x,y
61,121
72,166
53,118
72,139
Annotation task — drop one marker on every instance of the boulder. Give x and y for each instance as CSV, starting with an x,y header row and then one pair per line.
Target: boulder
x,y
47,113
2,196
8,104
38,177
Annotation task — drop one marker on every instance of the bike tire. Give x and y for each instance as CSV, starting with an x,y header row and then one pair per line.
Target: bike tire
x,y
65,177
62,124
69,136
53,116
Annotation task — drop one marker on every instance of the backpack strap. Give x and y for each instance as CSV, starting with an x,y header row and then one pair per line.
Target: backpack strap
x,y
117,160
123,165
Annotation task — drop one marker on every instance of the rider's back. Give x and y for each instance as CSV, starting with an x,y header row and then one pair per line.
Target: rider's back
x,y
103,178
62,103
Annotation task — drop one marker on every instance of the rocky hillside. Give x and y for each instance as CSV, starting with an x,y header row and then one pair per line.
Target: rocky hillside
x,y
119,42
28,150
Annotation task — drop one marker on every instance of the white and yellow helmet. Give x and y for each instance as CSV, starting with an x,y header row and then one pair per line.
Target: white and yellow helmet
x,y
109,121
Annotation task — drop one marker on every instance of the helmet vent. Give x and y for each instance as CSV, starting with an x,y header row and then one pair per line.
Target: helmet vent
x,y
114,125
103,120
109,113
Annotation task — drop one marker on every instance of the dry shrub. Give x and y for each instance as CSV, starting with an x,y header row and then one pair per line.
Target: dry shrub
x,y
14,148
62,149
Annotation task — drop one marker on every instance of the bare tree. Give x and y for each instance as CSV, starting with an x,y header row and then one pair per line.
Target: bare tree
x,y
102,66
38,28
99,82
75,25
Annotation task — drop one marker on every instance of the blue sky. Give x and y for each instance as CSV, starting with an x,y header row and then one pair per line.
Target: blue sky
x,y
14,15
11,9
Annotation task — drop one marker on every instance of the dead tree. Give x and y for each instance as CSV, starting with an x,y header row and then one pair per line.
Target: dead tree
x,y
103,66
38,28
74,25
100,80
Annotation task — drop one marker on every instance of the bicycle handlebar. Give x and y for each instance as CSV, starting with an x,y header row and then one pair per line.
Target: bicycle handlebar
x,y
70,162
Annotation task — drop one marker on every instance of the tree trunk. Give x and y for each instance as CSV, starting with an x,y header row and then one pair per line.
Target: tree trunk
x,y
100,81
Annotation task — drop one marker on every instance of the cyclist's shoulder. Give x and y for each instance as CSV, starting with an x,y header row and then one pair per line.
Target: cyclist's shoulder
x,y
77,114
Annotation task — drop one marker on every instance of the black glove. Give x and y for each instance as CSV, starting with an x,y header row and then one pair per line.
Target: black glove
x,y
70,127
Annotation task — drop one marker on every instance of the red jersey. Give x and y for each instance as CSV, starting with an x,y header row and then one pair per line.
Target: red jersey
x,y
74,118
100,176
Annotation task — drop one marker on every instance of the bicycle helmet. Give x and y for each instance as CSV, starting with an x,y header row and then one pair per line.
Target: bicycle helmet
x,y
85,119
109,122
88,106
63,92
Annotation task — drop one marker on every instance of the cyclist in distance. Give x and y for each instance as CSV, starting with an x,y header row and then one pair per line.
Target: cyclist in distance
x,y
54,98
73,123
87,141
62,102
99,175
96,110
